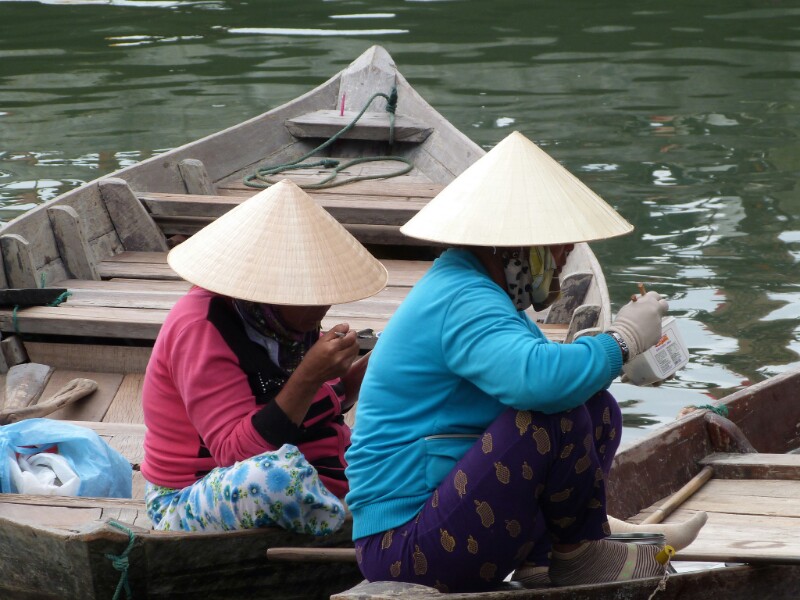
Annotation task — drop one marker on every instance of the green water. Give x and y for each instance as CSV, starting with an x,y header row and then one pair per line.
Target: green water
x,y
683,115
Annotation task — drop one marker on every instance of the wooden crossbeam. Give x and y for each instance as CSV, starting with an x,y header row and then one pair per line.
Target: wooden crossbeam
x,y
371,126
754,465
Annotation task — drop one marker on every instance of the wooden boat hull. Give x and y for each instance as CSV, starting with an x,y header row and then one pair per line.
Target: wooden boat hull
x,y
106,243
40,562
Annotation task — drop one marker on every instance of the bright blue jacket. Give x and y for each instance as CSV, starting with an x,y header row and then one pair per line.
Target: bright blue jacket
x,y
453,357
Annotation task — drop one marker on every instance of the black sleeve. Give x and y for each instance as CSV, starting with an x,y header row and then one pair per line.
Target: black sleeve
x,y
274,426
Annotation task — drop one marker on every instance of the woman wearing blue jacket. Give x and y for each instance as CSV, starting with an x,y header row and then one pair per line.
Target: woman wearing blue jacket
x,y
479,442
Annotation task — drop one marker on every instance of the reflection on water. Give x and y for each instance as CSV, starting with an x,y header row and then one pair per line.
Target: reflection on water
x,y
315,32
684,118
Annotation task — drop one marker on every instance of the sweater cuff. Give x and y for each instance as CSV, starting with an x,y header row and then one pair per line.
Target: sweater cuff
x,y
613,352
274,426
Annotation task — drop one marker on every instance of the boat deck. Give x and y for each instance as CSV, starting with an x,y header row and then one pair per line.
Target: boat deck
x,y
753,512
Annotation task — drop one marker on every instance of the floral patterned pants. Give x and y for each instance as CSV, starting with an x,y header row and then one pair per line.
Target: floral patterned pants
x,y
273,489
531,479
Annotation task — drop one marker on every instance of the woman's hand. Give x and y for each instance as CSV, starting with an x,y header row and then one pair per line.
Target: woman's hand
x,y
639,322
330,357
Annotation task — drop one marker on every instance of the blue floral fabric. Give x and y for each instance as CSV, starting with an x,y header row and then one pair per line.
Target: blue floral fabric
x,y
273,489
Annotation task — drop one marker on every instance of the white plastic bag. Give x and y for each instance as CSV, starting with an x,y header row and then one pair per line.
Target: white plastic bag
x,y
100,470
44,473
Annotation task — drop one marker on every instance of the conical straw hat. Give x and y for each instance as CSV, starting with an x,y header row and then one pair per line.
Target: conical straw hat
x,y
279,247
516,195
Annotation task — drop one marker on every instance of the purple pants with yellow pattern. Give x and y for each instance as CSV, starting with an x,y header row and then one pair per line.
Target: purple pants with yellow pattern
x,y
532,479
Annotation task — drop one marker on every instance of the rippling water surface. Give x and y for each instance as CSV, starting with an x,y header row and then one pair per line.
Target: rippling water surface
x,y
684,116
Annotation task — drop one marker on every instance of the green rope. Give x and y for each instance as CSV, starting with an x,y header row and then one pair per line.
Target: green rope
x,y
120,563
15,319
62,297
720,410
262,177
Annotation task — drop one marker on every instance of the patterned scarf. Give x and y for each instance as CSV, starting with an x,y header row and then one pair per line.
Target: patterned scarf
x,y
264,327
531,277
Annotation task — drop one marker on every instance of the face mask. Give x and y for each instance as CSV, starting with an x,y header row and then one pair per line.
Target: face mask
x,y
518,277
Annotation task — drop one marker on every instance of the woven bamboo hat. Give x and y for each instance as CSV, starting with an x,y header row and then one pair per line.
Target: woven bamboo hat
x,y
516,195
279,247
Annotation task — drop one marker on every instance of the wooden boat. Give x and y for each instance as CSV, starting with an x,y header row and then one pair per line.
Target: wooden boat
x,y
106,243
740,469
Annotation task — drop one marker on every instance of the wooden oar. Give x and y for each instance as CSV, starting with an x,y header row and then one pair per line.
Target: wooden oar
x,y
681,496
25,384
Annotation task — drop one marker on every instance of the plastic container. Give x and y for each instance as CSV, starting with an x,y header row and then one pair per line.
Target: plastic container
x,y
649,539
662,360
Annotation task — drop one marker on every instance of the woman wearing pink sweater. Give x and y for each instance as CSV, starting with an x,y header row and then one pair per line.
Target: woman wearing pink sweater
x,y
243,396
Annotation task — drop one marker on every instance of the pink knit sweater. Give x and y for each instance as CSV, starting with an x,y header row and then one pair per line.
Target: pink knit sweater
x,y
199,407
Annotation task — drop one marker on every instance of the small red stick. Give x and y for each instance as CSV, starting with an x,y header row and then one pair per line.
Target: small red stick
x,y
341,113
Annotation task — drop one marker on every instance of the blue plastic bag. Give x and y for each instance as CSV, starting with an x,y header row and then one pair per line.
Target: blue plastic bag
x,y
103,471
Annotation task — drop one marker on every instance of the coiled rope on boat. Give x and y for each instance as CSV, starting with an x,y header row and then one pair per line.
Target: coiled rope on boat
x,y
262,178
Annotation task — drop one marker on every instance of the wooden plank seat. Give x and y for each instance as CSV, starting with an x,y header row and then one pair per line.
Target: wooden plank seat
x,y
372,210
72,514
371,126
372,218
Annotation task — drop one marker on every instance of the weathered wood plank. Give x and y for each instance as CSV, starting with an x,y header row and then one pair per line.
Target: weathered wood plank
x,y
24,384
376,210
140,257
373,71
125,299
135,227
112,428
121,284
402,273
762,499
86,321
70,502
19,261
195,177
371,126
745,538
127,404
109,269
755,466
91,357
91,408
14,351
366,234
40,515
77,256
383,235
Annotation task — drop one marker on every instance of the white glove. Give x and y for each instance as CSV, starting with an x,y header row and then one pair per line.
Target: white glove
x,y
639,323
